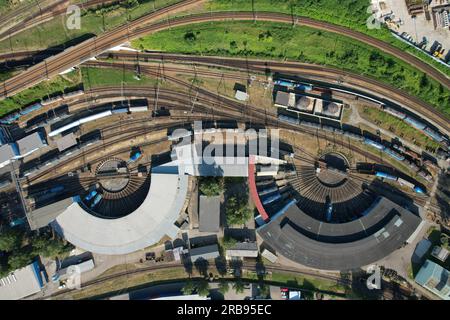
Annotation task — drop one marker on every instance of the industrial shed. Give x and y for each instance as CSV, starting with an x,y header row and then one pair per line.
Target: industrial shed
x,y
209,214
21,283
31,143
243,250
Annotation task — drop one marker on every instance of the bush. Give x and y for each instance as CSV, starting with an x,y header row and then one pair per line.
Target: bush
x,y
203,288
211,186
11,239
224,287
20,259
237,211
50,248
188,287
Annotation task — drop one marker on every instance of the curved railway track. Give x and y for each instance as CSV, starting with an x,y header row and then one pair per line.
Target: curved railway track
x,y
94,46
45,14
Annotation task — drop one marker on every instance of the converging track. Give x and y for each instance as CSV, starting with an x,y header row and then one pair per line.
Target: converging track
x,y
94,46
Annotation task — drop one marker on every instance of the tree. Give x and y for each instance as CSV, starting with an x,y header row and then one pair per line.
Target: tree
x,y
211,186
203,288
50,248
20,259
238,286
264,290
224,287
229,242
237,211
11,239
188,287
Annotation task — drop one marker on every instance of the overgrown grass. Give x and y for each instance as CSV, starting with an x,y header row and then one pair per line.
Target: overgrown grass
x,y
281,41
349,13
101,77
93,22
399,127
41,91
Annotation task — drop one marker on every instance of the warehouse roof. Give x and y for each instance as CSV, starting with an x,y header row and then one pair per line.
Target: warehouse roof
x,y
41,217
205,252
30,144
322,245
66,142
282,98
243,249
145,226
21,283
209,214
7,152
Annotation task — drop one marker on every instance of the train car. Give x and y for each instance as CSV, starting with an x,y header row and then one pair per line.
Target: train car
x,y
403,182
418,189
425,175
179,134
288,119
385,175
267,191
95,116
353,135
399,148
119,110
394,154
31,108
310,124
327,128
72,94
433,134
51,100
329,211
395,113
284,83
91,195
415,123
135,156
374,144
302,86
10,118
64,128
138,106
271,199
97,199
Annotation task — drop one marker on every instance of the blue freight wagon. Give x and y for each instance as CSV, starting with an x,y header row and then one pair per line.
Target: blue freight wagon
x,y
385,175
374,144
415,123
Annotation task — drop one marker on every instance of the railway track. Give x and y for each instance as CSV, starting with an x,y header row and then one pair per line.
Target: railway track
x,y
248,112
45,14
94,46
246,266
328,75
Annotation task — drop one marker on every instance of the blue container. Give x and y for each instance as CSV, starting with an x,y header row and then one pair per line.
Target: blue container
x,y
433,134
415,123
96,200
135,156
419,190
385,175
374,144
31,108
394,154
271,199
284,83
91,194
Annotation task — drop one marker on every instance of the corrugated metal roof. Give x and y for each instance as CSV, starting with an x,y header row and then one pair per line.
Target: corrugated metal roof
x,y
19,284
209,214
41,217
205,252
66,142
30,143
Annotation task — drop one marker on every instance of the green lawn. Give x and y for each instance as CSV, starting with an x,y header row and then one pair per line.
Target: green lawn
x,y
280,41
41,91
349,13
101,77
93,22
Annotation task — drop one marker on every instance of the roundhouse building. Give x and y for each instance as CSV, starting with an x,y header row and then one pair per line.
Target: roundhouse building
x,y
333,246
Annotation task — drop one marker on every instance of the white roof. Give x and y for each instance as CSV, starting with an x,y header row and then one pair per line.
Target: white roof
x,y
144,227
242,96
20,284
